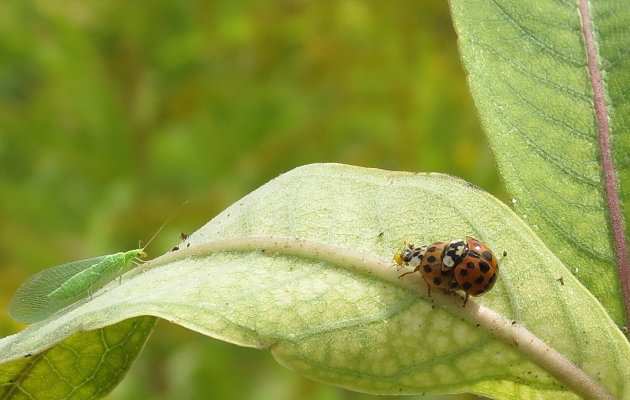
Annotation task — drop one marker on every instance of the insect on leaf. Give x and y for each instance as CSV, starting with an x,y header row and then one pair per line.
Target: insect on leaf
x,y
109,267
55,288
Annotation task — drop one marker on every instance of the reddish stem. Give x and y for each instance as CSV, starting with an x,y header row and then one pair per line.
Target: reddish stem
x,y
610,179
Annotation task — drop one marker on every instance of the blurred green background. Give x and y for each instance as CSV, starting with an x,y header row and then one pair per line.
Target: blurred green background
x,y
114,113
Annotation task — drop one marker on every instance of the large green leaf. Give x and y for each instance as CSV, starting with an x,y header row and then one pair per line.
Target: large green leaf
x,y
330,304
528,73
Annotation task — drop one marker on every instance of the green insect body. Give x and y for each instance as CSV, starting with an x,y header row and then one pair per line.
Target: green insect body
x,y
111,265
55,288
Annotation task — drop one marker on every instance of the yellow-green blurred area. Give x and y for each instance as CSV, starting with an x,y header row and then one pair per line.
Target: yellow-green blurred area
x,y
113,113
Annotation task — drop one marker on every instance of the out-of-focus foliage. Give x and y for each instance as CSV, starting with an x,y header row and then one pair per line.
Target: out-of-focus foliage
x,y
113,113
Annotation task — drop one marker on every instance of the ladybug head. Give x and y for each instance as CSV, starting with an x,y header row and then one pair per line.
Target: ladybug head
x,y
404,256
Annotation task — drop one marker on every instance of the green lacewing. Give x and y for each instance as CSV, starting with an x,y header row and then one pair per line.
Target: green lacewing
x,y
53,289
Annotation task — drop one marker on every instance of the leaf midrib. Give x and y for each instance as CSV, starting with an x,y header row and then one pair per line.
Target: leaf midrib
x,y
523,341
611,192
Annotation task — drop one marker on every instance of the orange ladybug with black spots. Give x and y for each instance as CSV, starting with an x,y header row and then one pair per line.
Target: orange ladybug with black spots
x,y
428,260
478,269
461,264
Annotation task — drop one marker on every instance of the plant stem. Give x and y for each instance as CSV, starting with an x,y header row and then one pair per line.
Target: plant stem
x,y
506,331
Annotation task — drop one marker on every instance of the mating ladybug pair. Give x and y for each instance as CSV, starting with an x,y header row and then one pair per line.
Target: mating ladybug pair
x,y
461,264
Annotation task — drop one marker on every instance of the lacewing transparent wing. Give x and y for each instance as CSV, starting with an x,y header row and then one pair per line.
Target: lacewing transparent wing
x,y
53,289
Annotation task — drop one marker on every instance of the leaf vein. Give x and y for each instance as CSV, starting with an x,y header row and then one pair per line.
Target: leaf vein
x,y
527,72
560,165
547,117
528,34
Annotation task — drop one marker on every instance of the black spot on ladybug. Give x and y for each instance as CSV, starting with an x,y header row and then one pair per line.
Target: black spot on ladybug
x,y
484,267
463,272
431,259
487,255
427,269
471,265
431,249
437,281
479,280
493,278
466,285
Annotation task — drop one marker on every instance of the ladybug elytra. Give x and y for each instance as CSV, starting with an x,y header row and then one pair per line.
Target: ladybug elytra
x,y
461,264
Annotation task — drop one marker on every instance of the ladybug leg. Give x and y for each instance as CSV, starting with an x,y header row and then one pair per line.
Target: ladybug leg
x,y
428,287
451,288
406,273
409,272
466,300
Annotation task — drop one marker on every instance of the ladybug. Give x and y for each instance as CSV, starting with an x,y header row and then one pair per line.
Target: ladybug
x,y
461,264
478,269
427,260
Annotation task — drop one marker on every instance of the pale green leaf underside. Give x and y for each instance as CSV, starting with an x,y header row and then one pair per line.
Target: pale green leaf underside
x,y
528,75
340,325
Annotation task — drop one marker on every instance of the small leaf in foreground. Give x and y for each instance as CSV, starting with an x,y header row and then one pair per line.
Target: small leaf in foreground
x,y
87,365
